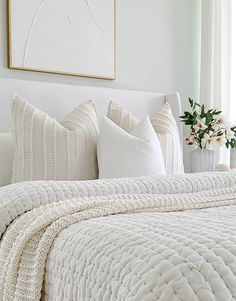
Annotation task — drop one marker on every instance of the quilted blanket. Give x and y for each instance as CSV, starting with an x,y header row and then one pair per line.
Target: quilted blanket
x,y
162,238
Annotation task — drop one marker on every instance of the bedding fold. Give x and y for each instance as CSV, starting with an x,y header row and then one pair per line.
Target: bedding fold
x,y
27,242
149,238
19,198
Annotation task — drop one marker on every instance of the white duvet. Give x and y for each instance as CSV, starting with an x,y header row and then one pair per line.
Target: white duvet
x,y
162,238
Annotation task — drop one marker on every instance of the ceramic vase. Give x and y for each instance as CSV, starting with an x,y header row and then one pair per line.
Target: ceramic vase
x,y
233,158
202,160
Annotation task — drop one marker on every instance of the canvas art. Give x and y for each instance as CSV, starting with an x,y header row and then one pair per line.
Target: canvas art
x,y
75,37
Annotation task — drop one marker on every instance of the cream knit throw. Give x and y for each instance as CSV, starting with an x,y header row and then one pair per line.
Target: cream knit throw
x,y
19,198
27,242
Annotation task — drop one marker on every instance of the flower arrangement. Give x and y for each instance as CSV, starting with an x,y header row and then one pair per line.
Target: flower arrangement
x,y
231,137
208,128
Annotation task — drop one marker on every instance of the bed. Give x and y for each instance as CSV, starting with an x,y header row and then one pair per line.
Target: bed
x,y
142,238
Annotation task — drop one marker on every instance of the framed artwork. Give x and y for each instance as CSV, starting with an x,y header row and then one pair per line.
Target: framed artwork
x,y
72,37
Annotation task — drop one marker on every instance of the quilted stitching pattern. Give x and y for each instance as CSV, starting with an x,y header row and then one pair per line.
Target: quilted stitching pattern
x,y
26,244
166,256
160,256
18,198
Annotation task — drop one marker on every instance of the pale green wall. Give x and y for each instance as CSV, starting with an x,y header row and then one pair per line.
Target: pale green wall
x,y
157,48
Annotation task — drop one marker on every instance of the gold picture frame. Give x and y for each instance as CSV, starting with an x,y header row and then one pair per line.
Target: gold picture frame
x,y
95,76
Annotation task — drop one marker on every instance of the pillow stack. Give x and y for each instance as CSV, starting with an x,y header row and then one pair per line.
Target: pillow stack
x,y
46,149
165,127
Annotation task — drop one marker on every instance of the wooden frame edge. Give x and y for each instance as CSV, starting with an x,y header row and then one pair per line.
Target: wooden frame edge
x,y
10,65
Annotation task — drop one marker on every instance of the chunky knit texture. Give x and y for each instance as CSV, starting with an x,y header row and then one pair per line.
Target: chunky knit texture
x,y
18,198
48,150
167,249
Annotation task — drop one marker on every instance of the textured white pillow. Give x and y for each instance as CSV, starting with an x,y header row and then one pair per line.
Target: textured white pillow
x,y
48,150
165,127
122,154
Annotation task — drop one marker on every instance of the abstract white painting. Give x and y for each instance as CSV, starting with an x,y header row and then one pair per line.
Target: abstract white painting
x,y
75,37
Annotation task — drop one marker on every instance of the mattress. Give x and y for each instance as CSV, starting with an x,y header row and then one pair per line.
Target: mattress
x,y
151,238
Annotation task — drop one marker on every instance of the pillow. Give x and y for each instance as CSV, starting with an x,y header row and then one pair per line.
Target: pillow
x,y
48,150
122,154
165,127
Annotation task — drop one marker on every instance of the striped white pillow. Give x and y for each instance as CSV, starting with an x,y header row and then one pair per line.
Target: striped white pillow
x,y
164,125
48,150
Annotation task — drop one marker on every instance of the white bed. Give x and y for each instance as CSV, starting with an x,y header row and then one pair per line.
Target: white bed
x,y
163,238
154,238
58,100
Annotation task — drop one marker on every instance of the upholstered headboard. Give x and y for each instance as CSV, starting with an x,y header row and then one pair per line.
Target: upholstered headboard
x,y
58,100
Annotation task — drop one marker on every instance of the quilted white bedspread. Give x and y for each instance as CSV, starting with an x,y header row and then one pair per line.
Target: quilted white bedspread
x,y
162,238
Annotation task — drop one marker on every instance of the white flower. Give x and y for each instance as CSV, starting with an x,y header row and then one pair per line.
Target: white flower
x,y
200,126
207,141
220,119
219,140
229,134
190,140
216,127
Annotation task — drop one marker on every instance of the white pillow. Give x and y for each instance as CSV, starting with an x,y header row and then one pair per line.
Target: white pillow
x,y
48,150
165,127
122,154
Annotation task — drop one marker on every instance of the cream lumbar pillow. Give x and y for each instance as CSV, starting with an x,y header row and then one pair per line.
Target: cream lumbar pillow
x,y
48,150
165,127
122,154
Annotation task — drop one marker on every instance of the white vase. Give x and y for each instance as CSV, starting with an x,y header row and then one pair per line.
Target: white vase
x,y
202,160
233,158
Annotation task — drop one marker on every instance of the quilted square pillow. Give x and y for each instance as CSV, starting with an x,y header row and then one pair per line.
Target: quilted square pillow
x,y
165,127
48,150
122,154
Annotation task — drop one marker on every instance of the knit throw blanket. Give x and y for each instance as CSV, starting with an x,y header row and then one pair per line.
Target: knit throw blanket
x,y
28,239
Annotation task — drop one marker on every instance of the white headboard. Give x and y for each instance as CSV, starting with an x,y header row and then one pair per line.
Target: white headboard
x,y
58,100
